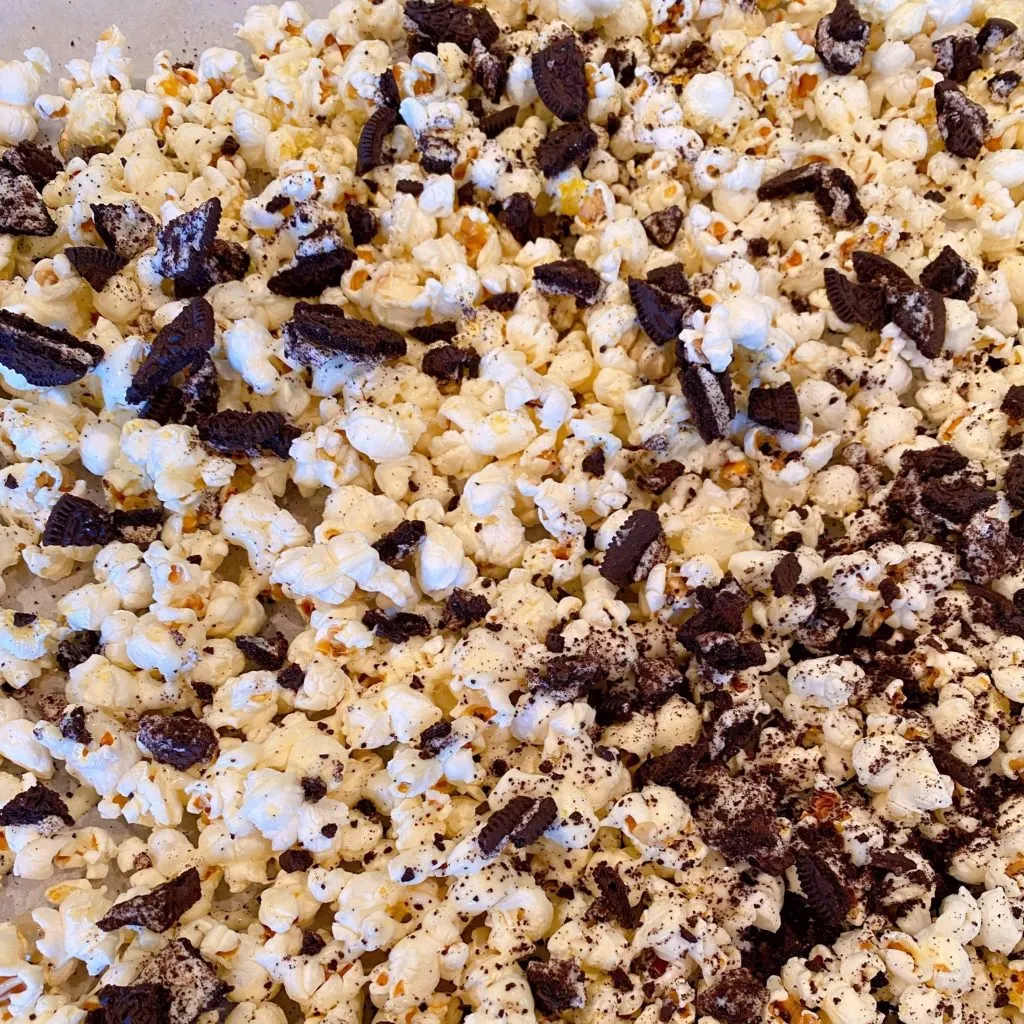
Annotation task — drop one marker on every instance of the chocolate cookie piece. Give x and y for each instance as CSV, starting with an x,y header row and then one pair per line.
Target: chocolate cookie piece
x,y
396,628
795,181
492,125
638,545
463,609
516,213
225,261
158,909
295,860
822,888
126,228
443,21
435,738
613,903
661,477
871,268
362,223
711,400
786,575
237,433
726,653
993,33
450,363
401,542
502,302
317,333
33,806
734,997
594,462
557,985
37,163
679,768
265,652
836,193
950,275
777,408
442,330
841,38
192,982
521,821
22,210
46,357
372,139
291,678
183,343
140,526
662,314
565,146
78,646
77,522
956,56
855,303
97,266
437,154
183,244
73,727
921,314
132,1004
1002,85
560,75
962,123
663,226
319,263
180,740
568,277
490,71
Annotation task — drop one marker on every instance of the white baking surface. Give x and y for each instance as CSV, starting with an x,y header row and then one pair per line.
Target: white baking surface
x,y
68,28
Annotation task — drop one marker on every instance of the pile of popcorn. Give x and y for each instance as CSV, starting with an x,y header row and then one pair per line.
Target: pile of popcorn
x,y
531,493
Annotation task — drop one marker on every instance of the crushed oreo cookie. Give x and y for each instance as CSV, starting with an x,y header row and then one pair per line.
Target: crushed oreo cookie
x,y
320,332
638,545
237,433
445,21
158,909
33,806
181,345
265,652
492,125
77,646
564,147
463,609
777,408
362,223
319,263
568,277
841,38
711,399
450,363
72,725
46,357
97,266
396,628
560,75
956,56
192,982
180,740
77,522
398,544
126,228
950,275
183,245
22,210
520,822
663,226
962,123
557,985
35,162
373,138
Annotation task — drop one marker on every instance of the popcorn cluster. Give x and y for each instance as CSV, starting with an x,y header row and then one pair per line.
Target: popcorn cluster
x,y
533,497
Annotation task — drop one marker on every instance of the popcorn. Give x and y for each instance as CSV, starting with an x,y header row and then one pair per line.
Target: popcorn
x,y
420,696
